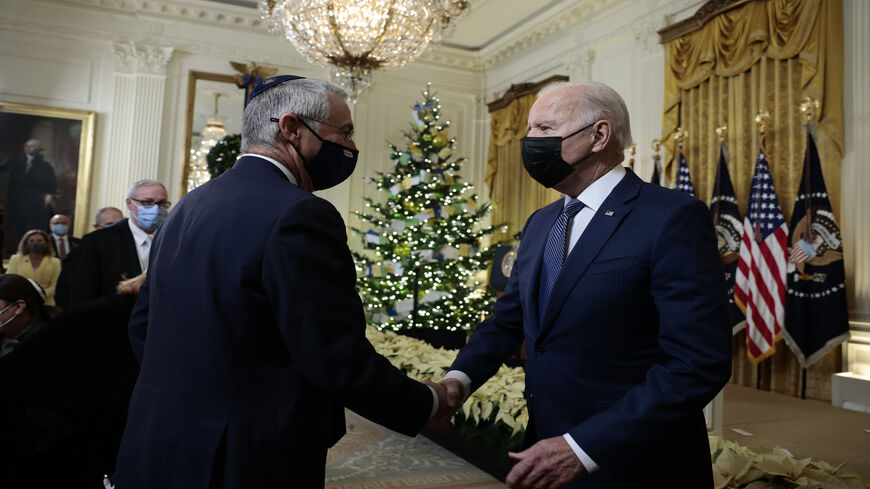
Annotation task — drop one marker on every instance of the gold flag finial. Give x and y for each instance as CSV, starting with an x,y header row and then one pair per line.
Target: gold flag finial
x,y
722,132
762,118
809,107
680,135
633,149
656,145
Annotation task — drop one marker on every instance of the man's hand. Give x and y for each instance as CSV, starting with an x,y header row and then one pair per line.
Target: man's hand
x,y
549,464
449,401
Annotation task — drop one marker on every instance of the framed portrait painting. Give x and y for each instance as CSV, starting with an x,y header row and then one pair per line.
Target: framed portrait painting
x,y
46,156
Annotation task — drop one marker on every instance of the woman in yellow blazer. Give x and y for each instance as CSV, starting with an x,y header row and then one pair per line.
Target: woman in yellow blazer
x,y
35,260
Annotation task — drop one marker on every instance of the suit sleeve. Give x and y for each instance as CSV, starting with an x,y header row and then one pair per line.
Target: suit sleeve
x,y
138,324
84,277
498,337
688,290
310,278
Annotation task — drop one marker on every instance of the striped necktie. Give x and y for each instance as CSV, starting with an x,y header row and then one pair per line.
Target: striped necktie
x,y
555,252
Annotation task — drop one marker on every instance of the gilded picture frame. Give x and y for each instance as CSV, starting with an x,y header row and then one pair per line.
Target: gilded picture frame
x,y
201,90
67,139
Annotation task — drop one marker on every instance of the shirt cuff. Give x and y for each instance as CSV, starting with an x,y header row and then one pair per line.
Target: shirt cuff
x,y
586,460
464,379
434,401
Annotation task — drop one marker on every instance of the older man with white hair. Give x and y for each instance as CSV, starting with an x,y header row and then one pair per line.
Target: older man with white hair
x,y
617,291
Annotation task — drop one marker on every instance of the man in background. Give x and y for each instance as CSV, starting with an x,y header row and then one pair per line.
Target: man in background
x,y
61,240
107,216
618,292
31,190
108,255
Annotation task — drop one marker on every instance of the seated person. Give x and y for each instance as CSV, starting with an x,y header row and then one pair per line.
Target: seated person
x,y
35,260
66,389
22,310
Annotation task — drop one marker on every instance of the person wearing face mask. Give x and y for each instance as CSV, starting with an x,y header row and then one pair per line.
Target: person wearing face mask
x,y
249,330
35,260
618,292
22,310
117,252
61,240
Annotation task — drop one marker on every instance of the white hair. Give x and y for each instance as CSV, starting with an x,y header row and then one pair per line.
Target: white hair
x,y
36,143
131,194
104,209
303,97
597,102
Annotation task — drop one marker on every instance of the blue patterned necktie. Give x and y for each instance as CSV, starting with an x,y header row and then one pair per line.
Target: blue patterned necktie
x,y
555,252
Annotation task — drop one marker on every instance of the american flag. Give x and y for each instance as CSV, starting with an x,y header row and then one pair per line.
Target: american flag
x,y
684,180
760,282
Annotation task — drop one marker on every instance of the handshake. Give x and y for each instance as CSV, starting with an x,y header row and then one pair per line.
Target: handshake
x,y
450,394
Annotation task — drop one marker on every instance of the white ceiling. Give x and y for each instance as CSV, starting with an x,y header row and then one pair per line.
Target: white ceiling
x,y
484,23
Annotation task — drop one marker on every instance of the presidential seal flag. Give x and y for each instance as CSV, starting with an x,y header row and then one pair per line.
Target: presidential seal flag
x,y
816,317
759,288
729,231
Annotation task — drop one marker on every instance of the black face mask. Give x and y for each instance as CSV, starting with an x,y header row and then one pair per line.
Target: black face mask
x,y
542,158
332,164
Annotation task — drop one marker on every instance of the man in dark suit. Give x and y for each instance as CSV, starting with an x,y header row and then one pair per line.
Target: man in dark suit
x,y
61,241
249,329
617,291
109,255
31,190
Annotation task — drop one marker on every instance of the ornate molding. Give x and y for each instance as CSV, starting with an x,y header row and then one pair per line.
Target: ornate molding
x,y
215,13
579,65
560,22
646,33
706,12
141,58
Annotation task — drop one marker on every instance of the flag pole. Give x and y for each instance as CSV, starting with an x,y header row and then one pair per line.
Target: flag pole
x,y
657,157
761,119
809,108
722,132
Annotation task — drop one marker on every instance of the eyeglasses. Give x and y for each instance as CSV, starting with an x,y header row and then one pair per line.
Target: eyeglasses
x,y
348,134
163,204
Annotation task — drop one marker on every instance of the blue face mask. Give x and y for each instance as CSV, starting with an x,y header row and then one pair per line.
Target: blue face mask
x,y
150,218
60,229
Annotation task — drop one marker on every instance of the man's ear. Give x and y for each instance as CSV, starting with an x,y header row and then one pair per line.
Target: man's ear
x,y
289,126
602,132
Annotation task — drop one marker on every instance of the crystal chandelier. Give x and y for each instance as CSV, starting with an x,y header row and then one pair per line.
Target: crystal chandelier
x,y
213,132
358,36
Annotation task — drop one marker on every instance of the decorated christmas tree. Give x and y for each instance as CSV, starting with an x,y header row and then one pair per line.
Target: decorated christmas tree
x,y
424,245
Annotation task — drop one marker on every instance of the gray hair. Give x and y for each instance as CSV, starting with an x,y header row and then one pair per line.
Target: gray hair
x,y
305,97
598,102
131,194
36,143
104,209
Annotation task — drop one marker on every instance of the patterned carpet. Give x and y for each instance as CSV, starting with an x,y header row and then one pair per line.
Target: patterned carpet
x,y
373,457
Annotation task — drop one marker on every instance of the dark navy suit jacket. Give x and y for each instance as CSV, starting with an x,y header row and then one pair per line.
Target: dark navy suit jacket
x,y
633,344
252,341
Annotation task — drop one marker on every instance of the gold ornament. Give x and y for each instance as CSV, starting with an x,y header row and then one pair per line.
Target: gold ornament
x,y
439,141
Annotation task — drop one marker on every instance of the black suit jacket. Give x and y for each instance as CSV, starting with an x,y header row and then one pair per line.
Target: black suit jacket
x,y
252,341
101,260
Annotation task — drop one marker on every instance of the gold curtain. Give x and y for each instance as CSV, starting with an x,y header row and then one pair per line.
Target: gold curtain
x,y
762,55
515,193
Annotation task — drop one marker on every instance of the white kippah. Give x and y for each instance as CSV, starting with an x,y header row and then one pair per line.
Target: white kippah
x,y
38,288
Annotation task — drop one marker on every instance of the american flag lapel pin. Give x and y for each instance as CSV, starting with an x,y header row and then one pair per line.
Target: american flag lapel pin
x,y
608,213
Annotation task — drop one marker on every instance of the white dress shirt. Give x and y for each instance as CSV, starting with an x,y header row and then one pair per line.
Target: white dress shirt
x,y
592,198
143,242
281,167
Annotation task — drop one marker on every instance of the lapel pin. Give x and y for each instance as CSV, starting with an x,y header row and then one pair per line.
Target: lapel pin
x,y
608,213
